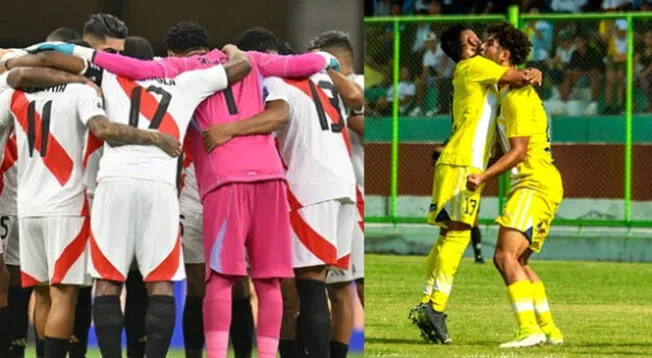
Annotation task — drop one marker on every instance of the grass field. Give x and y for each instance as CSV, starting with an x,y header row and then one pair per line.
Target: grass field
x,y
602,309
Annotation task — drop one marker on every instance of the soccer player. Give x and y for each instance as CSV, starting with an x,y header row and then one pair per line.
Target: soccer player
x,y
315,147
339,280
534,197
50,130
63,34
248,167
145,179
475,101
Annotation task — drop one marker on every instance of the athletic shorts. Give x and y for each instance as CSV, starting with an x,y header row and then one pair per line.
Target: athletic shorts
x,y
251,219
356,268
136,219
192,238
54,250
450,199
530,212
9,234
323,234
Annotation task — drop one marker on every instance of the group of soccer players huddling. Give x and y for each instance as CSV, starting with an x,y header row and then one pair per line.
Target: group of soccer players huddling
x,y
227,167
497,114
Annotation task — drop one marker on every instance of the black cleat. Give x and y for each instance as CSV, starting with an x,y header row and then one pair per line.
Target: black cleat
x,y
479,260
419,318
438,322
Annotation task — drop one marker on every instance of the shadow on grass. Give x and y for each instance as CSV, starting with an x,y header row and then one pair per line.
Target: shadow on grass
x,y
413,341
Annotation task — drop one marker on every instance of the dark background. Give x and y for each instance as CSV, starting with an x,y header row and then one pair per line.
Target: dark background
x,y
24,22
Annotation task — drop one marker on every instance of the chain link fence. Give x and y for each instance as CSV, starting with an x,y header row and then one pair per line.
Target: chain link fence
x,y
585,92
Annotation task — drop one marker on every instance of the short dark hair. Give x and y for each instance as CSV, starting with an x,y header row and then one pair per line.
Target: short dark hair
x,y
511,39
185,36
450,41
138,47
332,39
80,42
105,25
64,34
258,39
286,49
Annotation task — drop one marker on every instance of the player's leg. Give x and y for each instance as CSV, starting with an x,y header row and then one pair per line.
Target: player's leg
x,y
83,307
339,280
513,241
288,342
193,323
193,255
359,285
541,308
160,260
111,252
476,241
225,228
242,320
42,305
61,319
4,313
135,308
270,257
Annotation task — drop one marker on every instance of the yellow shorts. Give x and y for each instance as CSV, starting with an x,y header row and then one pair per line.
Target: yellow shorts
x,y
450,199
530,212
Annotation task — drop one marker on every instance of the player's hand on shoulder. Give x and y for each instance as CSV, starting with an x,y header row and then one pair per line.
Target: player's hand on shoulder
x,y
57,46
231,49
331,62
168,144
533,76
473,181
216,135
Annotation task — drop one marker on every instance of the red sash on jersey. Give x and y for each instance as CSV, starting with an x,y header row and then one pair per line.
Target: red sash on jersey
x,y
56,159
11,154
148,106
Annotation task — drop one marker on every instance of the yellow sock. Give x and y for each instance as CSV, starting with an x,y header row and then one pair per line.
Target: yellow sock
x,y
448,259
430,268
544,317
520,295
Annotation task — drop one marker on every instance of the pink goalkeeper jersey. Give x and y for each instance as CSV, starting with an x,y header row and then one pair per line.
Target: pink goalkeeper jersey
x,y
243,159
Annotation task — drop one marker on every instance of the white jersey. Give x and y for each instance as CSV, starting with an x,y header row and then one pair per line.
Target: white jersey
x,y
50,128
314,144
357,143
92,155
8,174
189,201
159,104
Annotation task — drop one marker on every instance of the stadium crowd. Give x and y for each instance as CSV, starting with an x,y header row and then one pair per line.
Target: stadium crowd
x,y
583,62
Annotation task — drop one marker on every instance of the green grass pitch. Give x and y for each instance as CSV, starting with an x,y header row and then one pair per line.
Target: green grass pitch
x,y
602,308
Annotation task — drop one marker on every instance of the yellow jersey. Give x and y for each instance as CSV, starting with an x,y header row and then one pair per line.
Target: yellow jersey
x,y
475,107
522,115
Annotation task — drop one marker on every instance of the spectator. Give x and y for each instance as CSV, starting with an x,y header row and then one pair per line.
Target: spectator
x,y
430,8
406,92
437,71
559,63
616,5
567,5
540,34
616,57
375,103
585,61
643,59
388,7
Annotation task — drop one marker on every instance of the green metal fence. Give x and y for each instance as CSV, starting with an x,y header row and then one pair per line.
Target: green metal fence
x,y
408,110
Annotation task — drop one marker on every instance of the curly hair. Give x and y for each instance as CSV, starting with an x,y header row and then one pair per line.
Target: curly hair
x,y
185,36
258,39
511,39
450,42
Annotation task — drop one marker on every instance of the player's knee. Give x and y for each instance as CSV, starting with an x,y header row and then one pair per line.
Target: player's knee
x,y
107,288
14,275
340,293
501,258
163,288
195,280
317,273
457,226
290,295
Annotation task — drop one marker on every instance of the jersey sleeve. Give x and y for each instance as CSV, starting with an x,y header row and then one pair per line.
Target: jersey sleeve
x,y
275,90
288,66
204,82
134,68
89,103
519,113
3,81
484,71
5,105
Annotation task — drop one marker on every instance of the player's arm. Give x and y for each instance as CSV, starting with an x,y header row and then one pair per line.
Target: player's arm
x,y
117,134
302,65
351,93
356,123
487,72
50,59
274,116
238,65
40,77
6,122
